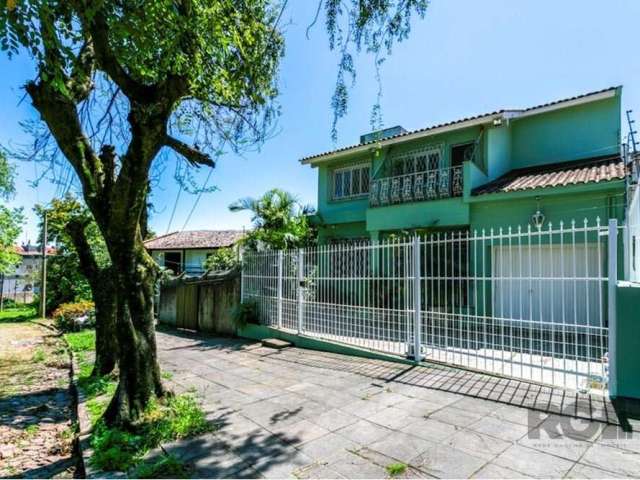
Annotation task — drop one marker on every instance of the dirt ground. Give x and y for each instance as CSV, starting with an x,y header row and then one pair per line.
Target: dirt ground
x,y
36,430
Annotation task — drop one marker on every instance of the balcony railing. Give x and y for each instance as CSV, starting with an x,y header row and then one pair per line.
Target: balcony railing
x,y
416,187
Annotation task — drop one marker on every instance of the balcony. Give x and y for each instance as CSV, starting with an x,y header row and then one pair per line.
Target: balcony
x,y
416,187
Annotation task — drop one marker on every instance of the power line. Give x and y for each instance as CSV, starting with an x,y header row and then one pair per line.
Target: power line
x,y
175,205
195,204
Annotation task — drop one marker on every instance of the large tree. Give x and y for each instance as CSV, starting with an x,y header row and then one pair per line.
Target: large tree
x,y
82,258
118,81
11,220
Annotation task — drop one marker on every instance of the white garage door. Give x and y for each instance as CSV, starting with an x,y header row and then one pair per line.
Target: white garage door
x,y
549,284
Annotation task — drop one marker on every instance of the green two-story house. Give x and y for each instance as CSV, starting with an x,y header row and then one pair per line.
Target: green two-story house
x,y
555,162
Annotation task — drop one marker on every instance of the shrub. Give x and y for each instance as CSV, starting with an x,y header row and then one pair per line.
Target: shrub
x,y
246,312
167,467
66,316
222,259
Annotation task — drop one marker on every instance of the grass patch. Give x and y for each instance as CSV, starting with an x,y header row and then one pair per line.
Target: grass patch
x,y
31,430
167,375
17,314
395,469
98,390
38,355
167,467
83,341
118,450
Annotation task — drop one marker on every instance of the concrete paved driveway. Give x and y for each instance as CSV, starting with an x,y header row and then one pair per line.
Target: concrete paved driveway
x,y
307,414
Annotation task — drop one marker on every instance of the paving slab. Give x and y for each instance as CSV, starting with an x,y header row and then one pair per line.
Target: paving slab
x,y
306,414
401,446
351,465
533,463
445,462
615,460
478,444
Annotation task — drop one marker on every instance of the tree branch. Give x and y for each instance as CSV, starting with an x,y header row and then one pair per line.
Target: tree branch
x,y
61,116
76,230
194,156
98,28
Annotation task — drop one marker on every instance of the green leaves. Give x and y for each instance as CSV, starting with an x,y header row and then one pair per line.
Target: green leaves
x,y
279,220
11,221
7,176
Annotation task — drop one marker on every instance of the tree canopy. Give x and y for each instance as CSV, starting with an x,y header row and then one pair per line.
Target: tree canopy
x,y
279,220
120,82
11,220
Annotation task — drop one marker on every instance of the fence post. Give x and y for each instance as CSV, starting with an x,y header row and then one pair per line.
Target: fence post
x,y
612,283
300,290
279,288
242,266
417,301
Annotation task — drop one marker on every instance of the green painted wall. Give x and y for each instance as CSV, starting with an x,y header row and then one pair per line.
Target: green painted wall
x,y
498,152
628,340
342,230
558,204
571,133
583,131
436,213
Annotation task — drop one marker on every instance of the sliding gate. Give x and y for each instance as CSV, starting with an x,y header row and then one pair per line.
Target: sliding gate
x,y
526,303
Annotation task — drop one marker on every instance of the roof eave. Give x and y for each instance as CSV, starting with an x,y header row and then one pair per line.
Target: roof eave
x,y
503,114
401,139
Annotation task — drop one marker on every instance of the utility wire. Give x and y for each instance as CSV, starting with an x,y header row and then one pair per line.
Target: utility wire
x,y
195,204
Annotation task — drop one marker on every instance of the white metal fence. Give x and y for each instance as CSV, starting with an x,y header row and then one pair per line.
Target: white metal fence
x,y
633,236
527,303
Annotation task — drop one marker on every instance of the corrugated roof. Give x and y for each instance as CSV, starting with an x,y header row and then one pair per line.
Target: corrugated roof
x,y
466,119
597,169
194,239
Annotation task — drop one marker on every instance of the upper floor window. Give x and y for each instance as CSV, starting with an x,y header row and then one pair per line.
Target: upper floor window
x,y
350,182
462,153
416,161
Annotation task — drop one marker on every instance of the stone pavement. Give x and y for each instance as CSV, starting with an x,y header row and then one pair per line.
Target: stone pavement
x,y
308,414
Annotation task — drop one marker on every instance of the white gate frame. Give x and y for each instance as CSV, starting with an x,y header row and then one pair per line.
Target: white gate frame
x,y
612,283
415,345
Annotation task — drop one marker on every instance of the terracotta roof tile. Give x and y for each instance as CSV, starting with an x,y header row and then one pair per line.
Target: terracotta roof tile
x,y
195,239
594,170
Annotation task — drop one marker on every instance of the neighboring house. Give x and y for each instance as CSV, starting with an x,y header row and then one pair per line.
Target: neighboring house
x,y
24,282
187,251
488,171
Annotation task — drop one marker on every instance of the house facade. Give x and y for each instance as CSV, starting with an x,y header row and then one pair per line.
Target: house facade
x,y
24,282
534,166
188,250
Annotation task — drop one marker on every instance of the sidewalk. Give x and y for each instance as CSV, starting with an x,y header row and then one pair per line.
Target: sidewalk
x,y
308,414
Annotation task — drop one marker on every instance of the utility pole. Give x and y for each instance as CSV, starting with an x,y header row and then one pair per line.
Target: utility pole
x,y
1,292
43,270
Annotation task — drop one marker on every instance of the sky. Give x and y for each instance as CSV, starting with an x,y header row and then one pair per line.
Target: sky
x,y
465,58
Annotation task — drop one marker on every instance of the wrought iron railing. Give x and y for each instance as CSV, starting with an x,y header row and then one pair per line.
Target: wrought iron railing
x,y
416,187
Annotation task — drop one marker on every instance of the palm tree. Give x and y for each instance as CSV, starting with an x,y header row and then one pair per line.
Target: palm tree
x,y
279,220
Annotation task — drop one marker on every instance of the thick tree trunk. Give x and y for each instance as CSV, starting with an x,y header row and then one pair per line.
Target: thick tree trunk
x,y
138,363
104,292
105,298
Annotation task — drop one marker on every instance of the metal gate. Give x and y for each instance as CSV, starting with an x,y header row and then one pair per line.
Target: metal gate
x,y
526,303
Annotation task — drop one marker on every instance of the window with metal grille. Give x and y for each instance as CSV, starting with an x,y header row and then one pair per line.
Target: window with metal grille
x,y
351,182
416,161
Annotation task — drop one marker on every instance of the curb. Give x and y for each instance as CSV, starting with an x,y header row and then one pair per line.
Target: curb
x,y
83,445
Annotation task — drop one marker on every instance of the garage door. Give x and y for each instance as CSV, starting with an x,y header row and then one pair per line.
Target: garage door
x,y
549,284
